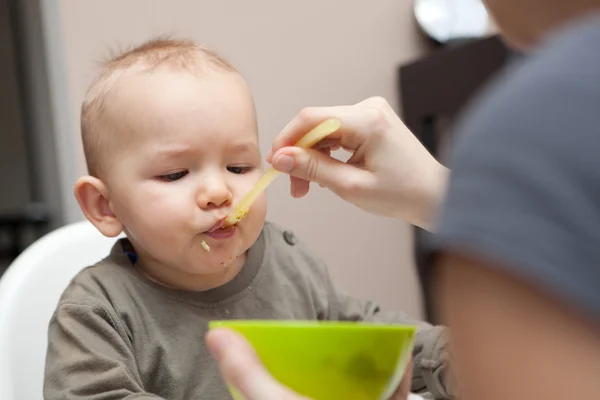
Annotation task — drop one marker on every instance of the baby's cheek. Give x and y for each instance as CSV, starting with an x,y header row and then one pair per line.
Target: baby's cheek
x,y
260,204
258,213
172,201
243,185
163,210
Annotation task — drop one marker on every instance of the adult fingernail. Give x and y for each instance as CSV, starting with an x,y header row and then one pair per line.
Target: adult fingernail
x,y
270,154
283,163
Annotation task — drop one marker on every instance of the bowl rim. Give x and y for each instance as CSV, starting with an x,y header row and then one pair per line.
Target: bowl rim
x,y
309,325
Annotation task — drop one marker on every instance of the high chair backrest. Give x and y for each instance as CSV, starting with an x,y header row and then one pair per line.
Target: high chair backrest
x,y
29,292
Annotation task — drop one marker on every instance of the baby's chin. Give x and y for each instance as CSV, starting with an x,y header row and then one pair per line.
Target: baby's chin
x,y
217,258
216,263
215,272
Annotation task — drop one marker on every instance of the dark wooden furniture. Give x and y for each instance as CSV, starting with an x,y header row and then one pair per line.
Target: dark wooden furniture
x,y
22,227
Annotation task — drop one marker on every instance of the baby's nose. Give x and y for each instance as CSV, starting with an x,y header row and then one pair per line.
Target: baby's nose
x,y
214,194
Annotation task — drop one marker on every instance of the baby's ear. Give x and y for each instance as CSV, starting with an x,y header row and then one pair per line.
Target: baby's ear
x,y
92,195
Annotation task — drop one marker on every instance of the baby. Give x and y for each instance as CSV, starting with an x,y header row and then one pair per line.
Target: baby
x,y
171,143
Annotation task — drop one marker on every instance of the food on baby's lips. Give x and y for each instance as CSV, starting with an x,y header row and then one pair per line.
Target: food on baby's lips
x,y
243,208
205,246
241,214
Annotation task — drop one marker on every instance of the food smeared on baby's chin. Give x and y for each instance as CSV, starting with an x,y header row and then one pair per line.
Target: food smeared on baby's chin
x,y
208,249
205,246
230,260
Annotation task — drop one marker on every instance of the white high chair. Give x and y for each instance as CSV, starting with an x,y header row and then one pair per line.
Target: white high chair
x,y
29,292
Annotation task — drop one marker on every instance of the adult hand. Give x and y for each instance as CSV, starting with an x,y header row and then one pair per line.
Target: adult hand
x,y
403,391
241,368
389,172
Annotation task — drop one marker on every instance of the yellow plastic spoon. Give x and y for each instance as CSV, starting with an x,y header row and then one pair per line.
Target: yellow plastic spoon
x,y
310,139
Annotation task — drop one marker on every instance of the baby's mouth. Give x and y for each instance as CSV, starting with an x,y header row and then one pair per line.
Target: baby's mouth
x,y
217,226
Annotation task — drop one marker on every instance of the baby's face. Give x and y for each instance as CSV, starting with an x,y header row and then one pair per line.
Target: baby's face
x,y
187,152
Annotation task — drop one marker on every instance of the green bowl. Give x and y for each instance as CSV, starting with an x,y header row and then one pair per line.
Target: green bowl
x,y
330,360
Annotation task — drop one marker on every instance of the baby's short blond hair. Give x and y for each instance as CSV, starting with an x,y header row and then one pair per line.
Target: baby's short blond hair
x,y
161,52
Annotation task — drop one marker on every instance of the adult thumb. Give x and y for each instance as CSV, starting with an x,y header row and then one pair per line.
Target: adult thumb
x,y
242,369
311,165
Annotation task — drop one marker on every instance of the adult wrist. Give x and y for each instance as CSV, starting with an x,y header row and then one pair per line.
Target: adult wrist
x,y
430,197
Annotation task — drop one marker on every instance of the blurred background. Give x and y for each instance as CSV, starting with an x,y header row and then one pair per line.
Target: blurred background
x,y
425,57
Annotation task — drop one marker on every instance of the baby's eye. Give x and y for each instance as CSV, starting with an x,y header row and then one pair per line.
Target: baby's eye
x,y
238,170
175,176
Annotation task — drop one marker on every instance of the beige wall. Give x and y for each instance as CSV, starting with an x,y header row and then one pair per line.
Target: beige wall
x,y
294,54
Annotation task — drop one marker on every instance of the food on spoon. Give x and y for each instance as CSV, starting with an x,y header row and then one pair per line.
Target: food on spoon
x,y
310,139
